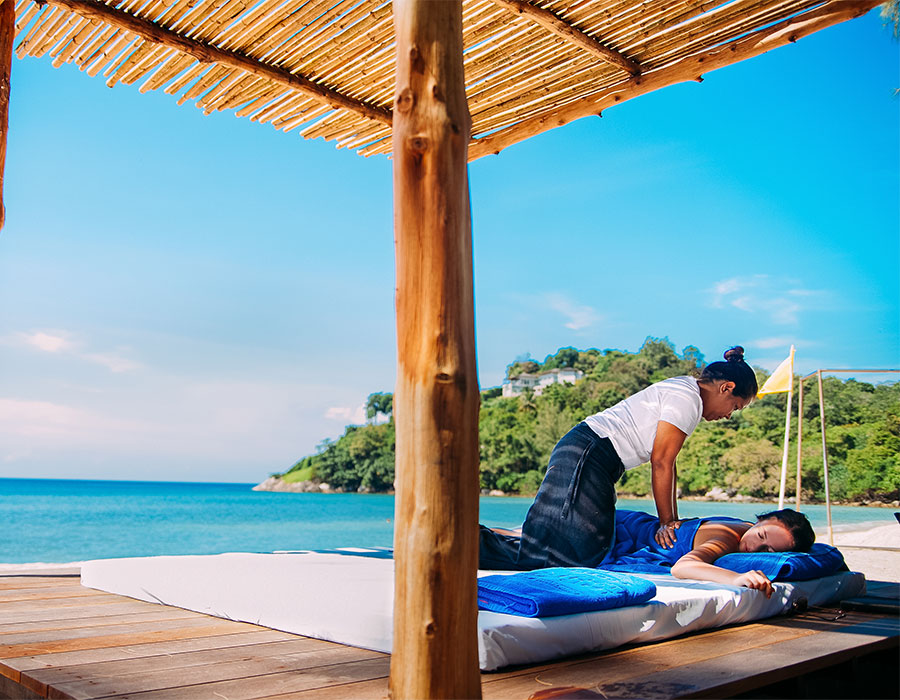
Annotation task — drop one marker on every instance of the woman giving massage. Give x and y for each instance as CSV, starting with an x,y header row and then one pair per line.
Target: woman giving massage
x,y
572,519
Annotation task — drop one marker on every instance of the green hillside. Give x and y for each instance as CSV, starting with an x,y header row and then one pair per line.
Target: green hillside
x,y
741,455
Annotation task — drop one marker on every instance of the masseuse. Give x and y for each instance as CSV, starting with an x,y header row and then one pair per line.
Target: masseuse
x,y
572,519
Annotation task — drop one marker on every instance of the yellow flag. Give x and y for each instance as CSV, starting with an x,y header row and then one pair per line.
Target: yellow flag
x,y
782,378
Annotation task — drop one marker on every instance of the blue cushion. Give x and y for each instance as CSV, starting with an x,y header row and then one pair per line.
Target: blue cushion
x,y
561,591
821,560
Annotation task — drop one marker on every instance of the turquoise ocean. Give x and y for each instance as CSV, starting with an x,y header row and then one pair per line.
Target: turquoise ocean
x,y
55,521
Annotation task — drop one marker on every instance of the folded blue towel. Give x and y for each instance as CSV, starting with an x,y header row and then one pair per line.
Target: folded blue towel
x,y
561,591
821,560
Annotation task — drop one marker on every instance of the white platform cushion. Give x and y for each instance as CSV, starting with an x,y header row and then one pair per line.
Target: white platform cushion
x,y
349,599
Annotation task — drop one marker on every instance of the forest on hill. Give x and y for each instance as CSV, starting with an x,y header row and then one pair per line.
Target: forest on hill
x,y
741,455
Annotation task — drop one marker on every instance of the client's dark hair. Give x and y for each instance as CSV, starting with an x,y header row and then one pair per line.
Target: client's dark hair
x,y
734,369
795,523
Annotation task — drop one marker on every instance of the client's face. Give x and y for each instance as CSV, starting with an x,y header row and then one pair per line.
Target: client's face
x,y
767,536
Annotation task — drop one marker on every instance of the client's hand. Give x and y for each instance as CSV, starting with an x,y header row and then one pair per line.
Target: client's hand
x,y
755,579
665,535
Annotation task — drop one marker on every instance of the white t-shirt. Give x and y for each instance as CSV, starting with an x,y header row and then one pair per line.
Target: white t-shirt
x,y
631,424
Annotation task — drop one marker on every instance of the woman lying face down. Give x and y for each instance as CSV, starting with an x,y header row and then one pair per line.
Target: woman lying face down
x,y
779,531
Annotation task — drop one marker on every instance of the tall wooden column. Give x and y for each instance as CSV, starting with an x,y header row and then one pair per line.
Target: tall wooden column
x,y
436,399
7,35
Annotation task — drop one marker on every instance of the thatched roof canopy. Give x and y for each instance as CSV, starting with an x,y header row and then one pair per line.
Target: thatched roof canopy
x,y
326,67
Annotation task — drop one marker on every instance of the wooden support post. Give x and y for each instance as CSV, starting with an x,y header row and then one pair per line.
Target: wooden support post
x,y
436,402
7,36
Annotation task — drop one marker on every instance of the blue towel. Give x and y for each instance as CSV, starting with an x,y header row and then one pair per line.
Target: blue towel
x,y
635,551
821,560
561,591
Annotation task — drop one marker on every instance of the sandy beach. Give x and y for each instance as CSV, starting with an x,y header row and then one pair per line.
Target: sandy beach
x,y
875,551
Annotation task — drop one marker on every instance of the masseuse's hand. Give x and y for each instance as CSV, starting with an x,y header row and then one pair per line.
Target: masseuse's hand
x,y
665,535
757,580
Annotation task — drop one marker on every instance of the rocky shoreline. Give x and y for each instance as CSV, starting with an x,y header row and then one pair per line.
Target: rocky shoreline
x,y
274,483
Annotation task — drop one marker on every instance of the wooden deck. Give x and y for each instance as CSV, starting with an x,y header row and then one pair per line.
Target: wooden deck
x,y
60,640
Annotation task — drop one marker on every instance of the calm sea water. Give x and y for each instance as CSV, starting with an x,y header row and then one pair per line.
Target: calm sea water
x,y
62,521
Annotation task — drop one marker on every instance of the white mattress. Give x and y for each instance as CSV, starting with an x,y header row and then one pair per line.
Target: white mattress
x,y
349,599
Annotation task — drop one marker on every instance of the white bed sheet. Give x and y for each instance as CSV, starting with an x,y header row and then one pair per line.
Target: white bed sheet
x,y
349,599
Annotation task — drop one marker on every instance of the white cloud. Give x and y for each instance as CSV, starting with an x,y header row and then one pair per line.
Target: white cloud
x,y
778,299
769,343
57,341
112,361
355,415
45,420
163,421
744,303
60,342
578,316
723,288
784,312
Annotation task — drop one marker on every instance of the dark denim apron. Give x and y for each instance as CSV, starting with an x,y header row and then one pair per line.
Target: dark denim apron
x,y
573,517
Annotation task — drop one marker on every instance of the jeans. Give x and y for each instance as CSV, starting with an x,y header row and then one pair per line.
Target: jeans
x,y
573,517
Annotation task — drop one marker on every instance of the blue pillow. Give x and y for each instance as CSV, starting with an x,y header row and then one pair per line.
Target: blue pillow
x,y
821,560
561,591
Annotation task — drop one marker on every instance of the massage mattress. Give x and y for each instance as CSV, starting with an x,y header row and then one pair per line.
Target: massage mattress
x,y
346,596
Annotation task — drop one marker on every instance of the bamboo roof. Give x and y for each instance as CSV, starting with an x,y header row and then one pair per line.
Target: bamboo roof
x,y
326,67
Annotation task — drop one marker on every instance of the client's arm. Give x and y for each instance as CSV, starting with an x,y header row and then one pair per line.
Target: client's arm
x,y
714,540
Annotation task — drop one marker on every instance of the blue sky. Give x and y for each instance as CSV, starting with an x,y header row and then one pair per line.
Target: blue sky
x,y
202,298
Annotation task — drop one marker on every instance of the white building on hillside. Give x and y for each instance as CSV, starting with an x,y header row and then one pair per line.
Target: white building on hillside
x,y
537,382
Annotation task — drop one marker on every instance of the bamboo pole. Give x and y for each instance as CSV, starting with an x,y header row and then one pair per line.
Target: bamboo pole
x,y
799,440
7,37
818,375
436,399
787,443
686,69
825,457
207,53
553,23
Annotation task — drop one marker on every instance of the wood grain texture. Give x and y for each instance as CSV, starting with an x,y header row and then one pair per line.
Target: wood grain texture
x,y
436,399
256,686
201,628
7,37
94,683
140,661
130,652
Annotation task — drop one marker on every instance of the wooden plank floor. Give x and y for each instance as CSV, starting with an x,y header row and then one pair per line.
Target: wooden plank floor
x,y
60,640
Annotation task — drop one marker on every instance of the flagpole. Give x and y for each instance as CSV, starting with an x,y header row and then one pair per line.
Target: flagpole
x,y
799,439
787,432
784,458
825,458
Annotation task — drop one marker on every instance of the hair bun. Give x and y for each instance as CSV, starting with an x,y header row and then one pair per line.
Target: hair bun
x,y
736,354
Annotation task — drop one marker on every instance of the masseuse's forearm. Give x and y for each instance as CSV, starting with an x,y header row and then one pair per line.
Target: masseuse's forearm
x,y
675,491
662,482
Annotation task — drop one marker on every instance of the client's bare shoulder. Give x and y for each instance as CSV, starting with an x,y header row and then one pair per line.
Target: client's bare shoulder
x,y
728,533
